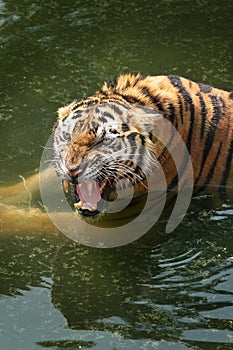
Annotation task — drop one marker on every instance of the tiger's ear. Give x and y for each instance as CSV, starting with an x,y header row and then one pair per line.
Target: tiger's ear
x,y
63,112
146,119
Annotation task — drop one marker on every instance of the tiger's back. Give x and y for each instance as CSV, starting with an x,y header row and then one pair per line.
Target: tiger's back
x,y
203,116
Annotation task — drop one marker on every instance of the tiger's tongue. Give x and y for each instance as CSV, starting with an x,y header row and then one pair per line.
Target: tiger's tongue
x,y
89,192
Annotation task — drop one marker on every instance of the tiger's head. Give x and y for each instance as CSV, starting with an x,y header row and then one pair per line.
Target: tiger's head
x,y
102,145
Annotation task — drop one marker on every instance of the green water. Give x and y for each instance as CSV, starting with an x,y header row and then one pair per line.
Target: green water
x,y
173,292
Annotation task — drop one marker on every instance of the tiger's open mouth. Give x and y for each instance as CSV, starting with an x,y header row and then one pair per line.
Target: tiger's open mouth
x,y
90,197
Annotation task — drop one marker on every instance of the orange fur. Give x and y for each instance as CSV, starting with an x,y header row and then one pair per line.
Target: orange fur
x,y
212,104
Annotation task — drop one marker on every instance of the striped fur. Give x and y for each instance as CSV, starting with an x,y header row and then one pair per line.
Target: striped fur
x,y
202,115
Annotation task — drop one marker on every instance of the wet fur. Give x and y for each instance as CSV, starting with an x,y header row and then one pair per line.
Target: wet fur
x,y
203,116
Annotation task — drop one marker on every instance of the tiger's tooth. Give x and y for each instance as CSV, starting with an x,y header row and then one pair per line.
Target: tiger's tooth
x,y
66,186
78,205
89,188
94,206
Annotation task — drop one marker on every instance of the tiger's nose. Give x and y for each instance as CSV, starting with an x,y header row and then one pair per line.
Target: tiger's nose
x,y
73,166
74,172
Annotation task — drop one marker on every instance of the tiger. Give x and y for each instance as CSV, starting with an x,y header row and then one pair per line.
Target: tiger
x,y
110,138
92,136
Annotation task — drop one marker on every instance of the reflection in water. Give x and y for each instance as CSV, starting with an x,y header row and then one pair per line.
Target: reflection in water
x,y
139,291
165,288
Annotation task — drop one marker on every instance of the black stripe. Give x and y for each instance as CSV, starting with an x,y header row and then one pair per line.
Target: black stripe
x,y
111,101
162,154
173,184
132,145
137,79
203,115
176,124
125,143
77,114
77,104
94,126
183,166
134,134
139,172
142,138
227,169
127,85
217,109
181,110
231,95
63,119
223,102
212,169
156,102
176,81
153,98
90,103
102,119
116,109
85,103
166,148
133,99
111,84
171,109
131,137
108,115
204,88
223,111
211,133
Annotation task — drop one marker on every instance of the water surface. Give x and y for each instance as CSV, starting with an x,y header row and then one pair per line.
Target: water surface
x,y
160,292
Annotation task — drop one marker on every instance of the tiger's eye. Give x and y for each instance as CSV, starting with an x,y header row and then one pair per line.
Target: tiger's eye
x,y
66,136
125,127
113,131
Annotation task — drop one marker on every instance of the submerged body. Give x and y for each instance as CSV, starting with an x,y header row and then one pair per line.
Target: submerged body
x,y
111,137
